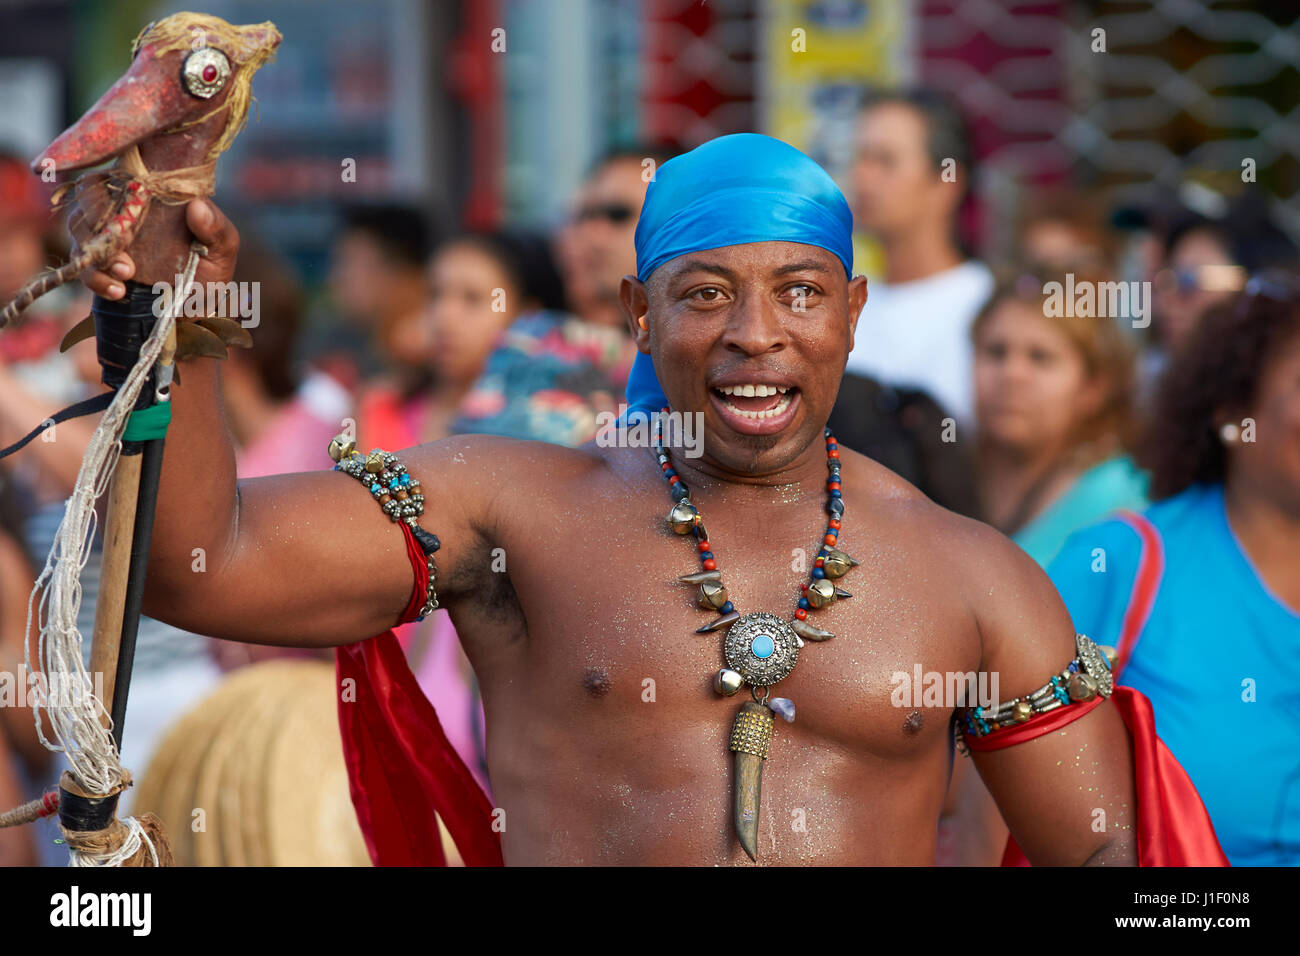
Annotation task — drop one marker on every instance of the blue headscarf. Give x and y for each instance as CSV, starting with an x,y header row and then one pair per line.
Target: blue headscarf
x,y
732,190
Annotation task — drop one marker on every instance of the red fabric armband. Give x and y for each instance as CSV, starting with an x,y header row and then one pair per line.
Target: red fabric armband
x,y
1035,727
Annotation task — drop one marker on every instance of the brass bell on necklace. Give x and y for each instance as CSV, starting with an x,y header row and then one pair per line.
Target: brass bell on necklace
x,y
727,682
683,517
821,592
712,595
836,564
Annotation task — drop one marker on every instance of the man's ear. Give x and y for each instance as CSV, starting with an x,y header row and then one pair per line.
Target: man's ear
x,y
635,302
857,302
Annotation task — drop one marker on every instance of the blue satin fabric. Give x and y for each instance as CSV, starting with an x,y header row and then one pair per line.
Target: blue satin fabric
x,y
732,190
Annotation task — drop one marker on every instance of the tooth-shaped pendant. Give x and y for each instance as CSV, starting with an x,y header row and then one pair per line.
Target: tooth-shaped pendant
x,y
699,577
841,593
809,632
836,564
723,621
750,737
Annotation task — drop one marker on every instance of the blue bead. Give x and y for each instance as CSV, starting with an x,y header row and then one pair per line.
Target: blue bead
x,y
705,555
406,477
374,487
835,493
762,646
803,603
728,608
818,573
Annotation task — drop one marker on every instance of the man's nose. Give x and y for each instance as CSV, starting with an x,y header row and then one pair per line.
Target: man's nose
x,y
754,327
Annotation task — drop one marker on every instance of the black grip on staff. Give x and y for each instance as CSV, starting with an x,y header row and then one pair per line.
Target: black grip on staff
x,y
121,328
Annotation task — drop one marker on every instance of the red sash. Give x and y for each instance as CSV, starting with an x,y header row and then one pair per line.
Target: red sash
x,y
1173,827
401,767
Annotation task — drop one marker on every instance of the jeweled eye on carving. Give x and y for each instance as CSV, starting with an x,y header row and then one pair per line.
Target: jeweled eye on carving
x,y
205,72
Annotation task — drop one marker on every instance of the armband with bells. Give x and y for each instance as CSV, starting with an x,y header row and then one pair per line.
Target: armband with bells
x,y
1086,680
398,494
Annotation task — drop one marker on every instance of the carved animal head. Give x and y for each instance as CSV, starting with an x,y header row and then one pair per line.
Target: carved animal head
x,y
185,70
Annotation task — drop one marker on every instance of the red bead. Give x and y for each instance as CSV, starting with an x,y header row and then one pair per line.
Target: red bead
x,y
709,564
819,562
800,613
674,480
833,454
209,73
803,588
829,539
833,486
835,523
703,546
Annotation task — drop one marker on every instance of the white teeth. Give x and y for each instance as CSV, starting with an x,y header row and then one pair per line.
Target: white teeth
x,y
753,391
782,404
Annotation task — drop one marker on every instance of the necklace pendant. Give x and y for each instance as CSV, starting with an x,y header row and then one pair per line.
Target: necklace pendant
x,y
751,734
762,648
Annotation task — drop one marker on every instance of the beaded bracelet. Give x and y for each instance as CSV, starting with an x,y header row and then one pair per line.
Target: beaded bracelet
x,y
398,494
1080,681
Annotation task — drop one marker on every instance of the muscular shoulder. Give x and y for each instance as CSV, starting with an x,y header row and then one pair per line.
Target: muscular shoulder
x,y
1022,624
485,473
899,511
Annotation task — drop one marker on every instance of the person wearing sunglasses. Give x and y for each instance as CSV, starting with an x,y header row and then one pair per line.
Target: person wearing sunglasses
x,y
1206,263
596,247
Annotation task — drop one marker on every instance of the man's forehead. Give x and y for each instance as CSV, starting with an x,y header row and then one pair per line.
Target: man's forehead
x,y
772,257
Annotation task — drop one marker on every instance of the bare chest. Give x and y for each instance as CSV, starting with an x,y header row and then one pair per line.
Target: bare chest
x,y
610,628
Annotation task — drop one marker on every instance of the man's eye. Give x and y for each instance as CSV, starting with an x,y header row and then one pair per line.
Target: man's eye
x,y
707,294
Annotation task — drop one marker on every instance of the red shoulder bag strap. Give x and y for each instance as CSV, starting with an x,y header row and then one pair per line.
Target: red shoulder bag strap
x,y
1151,568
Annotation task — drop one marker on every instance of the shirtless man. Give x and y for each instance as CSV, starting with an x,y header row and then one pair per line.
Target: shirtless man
x,y
586,768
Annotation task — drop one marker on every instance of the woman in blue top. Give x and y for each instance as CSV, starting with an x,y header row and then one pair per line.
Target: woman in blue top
x,y
1052,401
1201,592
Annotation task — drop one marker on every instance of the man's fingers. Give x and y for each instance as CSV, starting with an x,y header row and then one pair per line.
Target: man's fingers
x,y
103,284
211,227
107,282
122,266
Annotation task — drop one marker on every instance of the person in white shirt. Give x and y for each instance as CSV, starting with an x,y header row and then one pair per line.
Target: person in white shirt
x,y
910,177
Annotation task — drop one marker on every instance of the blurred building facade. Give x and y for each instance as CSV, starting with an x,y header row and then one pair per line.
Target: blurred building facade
x,y
491,111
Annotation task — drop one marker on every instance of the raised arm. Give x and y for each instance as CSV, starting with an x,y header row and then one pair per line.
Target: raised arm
x,y
1067,796
306,559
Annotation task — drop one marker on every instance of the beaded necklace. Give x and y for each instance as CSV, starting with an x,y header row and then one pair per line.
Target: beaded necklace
x,y
759,648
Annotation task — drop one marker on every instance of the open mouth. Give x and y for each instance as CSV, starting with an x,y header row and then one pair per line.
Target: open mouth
x,y
756,408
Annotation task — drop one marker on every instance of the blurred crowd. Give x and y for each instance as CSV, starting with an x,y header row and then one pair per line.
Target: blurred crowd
x,y
1153,452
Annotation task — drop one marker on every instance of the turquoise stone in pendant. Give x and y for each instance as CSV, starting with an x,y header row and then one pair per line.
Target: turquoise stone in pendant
x,y
762,647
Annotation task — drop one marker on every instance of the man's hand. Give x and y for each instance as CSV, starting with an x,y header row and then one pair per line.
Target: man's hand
x,y
209,226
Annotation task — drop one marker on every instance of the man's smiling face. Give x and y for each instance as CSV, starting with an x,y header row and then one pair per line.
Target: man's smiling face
x,y
756,337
